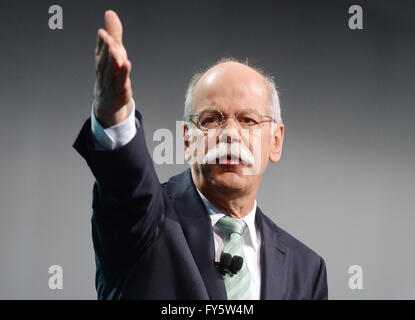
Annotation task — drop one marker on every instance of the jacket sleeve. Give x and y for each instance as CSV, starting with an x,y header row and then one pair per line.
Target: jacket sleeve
x,y
320,291
128,202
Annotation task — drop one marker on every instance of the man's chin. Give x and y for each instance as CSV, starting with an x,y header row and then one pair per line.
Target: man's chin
x,y
228,176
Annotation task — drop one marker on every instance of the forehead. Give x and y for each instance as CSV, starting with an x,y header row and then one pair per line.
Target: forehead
x,y
231,87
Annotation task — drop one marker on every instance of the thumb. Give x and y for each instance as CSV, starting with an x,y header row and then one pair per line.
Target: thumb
x,y
114,26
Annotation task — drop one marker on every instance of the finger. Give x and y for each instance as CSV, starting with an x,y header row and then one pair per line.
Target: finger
x,y
116,54
101,57
101,64
100,42
119,53
114,49
103,35
114,25
108,39
109,72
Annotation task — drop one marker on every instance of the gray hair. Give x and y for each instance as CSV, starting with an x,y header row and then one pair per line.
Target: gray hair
x,y
274,101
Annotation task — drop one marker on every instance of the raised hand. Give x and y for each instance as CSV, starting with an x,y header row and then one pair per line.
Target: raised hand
x,y
112,89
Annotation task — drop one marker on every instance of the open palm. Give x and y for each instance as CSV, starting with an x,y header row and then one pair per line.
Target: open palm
x,y
113,84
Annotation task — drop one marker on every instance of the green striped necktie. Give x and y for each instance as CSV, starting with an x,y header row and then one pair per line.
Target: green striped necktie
x,y
237,286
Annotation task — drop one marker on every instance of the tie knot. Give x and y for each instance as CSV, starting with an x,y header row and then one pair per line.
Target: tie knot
x,y
231,225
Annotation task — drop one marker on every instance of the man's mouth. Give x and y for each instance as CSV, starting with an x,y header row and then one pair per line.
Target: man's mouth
x,y
229,160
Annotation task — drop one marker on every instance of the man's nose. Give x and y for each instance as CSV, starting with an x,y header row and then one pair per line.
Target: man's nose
x,y
230,134
231,122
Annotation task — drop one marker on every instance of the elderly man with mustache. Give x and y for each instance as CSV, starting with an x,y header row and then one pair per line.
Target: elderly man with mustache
x,y
201,235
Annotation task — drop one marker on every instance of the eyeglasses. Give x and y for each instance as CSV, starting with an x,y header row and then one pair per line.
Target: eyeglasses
x,y
214,119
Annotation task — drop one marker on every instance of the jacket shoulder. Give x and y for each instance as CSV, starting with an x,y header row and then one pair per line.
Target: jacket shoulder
x,y
295,246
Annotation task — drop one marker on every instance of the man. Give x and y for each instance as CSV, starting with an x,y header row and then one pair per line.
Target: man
x,y
201,235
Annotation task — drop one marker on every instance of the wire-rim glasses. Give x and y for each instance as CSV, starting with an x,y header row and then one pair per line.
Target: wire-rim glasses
x,y
215,119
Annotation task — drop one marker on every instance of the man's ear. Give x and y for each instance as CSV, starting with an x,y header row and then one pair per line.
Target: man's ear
x,y
186,139
185,131
276,143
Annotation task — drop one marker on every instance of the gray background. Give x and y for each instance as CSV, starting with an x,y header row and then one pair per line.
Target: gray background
x,y
344,185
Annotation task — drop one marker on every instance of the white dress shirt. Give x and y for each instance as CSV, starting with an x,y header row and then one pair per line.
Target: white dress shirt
x,y
120,134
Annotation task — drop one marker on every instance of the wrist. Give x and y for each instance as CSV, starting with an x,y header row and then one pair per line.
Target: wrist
x,y
110,119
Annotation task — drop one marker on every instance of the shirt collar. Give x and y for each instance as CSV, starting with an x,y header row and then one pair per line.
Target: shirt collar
x,y
215,214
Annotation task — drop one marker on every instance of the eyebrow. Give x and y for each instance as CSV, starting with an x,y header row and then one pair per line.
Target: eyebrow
x,y
208,108
216,107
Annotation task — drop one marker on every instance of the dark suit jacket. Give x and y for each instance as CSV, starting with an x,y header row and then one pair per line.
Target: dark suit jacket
x,y
155,241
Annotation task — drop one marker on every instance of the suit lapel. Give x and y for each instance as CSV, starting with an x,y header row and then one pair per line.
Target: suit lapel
x,y
273,261
197,228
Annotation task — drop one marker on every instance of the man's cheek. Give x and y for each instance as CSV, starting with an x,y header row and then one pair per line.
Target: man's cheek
x,y
196,150
257,147
187,154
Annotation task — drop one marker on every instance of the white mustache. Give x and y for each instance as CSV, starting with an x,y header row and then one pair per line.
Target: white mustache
x,y
238,152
